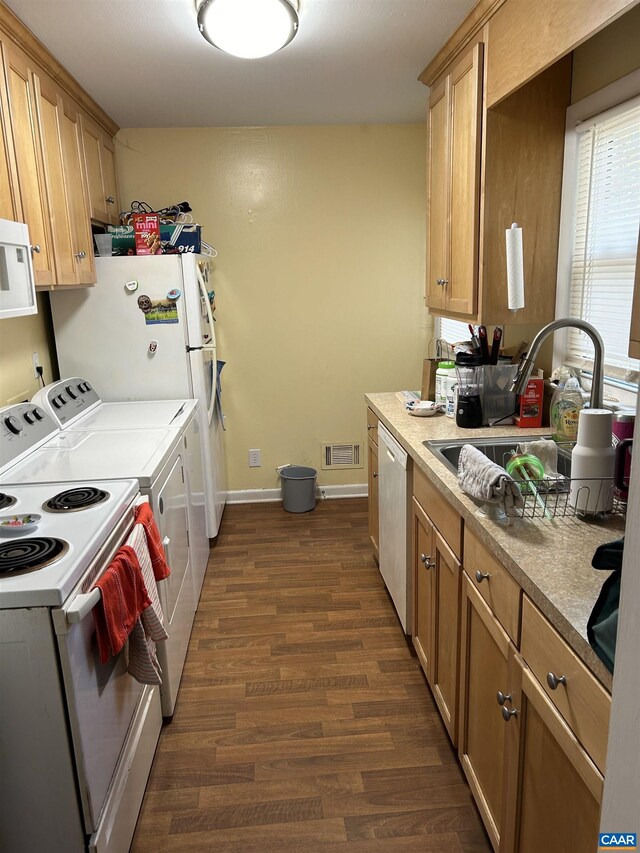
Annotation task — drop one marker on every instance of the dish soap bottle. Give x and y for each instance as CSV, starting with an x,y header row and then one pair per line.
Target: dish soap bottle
x,y
566,405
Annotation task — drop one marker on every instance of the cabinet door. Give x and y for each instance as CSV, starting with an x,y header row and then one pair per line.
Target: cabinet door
x,y
466,116
76,188
446,643
423,542
29,164
484,656
372,460
49,126
438,223
9,193
99,162
553,790
109,184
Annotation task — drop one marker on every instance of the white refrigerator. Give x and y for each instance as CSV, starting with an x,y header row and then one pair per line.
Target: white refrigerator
x,y
146,331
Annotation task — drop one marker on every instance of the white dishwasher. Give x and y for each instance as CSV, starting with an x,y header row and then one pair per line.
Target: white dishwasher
x,y
392,507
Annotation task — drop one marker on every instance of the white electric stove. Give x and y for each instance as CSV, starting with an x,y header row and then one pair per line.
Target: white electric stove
x,y
34,451
74,404
78,737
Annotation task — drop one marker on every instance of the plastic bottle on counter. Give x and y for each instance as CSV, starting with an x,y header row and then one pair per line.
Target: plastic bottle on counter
x,y
445,380
566,405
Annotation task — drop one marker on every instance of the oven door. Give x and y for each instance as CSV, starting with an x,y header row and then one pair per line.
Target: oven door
x,y
103,699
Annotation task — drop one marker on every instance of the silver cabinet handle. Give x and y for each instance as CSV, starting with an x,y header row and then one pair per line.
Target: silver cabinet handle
x,y
426,560
375,475
110,199
369,426
554,680
80,256
482,576
507,713
445,282
503,697
35,249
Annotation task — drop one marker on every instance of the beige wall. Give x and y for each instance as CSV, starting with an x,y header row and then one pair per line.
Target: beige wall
x,y
607,56
319,279
19,338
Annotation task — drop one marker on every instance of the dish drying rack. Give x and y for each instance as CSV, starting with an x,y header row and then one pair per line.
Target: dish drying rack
x,y
550,497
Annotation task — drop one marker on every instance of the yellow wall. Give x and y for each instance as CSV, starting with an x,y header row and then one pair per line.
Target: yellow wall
x,y
319,279
19,338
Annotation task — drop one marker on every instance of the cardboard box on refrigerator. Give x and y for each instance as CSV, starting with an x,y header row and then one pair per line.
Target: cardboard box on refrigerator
x,y
176,238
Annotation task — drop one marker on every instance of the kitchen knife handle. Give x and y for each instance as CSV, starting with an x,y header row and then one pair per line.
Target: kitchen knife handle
x,y
495,345
484,344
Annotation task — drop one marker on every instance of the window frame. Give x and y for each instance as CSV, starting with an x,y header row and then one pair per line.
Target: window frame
x,y
624,89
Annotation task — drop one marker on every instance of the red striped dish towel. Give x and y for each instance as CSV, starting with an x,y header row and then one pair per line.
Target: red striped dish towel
x,y
144,516
149,629
123,598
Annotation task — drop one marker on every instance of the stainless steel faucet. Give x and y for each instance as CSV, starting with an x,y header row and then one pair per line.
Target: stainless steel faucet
x,y
526,365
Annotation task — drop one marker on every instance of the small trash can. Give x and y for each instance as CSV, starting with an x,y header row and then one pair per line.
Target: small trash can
x,y
298,488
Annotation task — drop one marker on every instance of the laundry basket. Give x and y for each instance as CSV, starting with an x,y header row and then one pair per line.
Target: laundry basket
x,y
298,488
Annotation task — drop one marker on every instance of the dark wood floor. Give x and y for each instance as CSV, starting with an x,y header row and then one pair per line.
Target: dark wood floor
x,y
303,721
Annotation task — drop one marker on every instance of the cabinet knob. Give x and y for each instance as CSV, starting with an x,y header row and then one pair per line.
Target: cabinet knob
x,y
503,697
35,249
445,282
369,426
439,282
375,475
80,256
426,560
481,576
110,199
554,680
507,713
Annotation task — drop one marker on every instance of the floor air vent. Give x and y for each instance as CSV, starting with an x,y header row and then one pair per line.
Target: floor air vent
x,y
341,456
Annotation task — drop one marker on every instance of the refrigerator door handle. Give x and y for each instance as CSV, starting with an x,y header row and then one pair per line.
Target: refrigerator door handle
x,y
203,348
205,297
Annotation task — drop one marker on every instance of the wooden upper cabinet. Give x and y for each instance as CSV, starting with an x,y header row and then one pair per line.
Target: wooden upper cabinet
x,y
455,113
99,158
29,165
438,226
527,38
10,207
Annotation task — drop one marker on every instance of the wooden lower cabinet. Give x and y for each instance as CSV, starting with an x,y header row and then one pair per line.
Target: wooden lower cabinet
x,y
485,650
372,464
437,615
423,565
554,790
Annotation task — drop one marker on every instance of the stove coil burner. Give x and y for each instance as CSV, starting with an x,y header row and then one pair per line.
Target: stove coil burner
x,y
6,501
32,553
75,499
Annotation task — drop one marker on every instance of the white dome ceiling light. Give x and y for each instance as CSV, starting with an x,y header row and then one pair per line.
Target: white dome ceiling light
x,y
249,29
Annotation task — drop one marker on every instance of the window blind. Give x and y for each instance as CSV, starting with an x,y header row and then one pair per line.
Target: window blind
x,y
607,218
453,331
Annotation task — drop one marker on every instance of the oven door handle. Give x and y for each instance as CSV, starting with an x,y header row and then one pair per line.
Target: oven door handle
x,y
84,602
82,605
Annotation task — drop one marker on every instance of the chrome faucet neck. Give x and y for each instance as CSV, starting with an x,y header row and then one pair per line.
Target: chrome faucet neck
x,y
526,366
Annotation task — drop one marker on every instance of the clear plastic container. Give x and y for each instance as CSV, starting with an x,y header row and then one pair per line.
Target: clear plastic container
x,y
445,380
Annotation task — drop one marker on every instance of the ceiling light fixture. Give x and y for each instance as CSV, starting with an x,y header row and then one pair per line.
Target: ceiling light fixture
x,y
249,29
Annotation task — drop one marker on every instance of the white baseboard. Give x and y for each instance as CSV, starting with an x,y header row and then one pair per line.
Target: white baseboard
x,y
252,496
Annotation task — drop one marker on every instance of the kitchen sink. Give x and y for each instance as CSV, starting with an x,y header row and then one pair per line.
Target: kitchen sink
x,y
498,449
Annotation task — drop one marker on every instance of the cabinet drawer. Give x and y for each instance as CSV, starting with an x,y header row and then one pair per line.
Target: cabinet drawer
x,y
499,589
372,425
580,698
445,518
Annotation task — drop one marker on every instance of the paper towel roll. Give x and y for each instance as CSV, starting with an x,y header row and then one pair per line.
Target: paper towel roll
x,y
515,268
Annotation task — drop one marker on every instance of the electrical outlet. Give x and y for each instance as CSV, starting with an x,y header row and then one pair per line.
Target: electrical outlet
x,y
254,459
35,358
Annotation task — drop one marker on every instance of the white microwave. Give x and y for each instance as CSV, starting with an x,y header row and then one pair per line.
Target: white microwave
x,y
17,283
